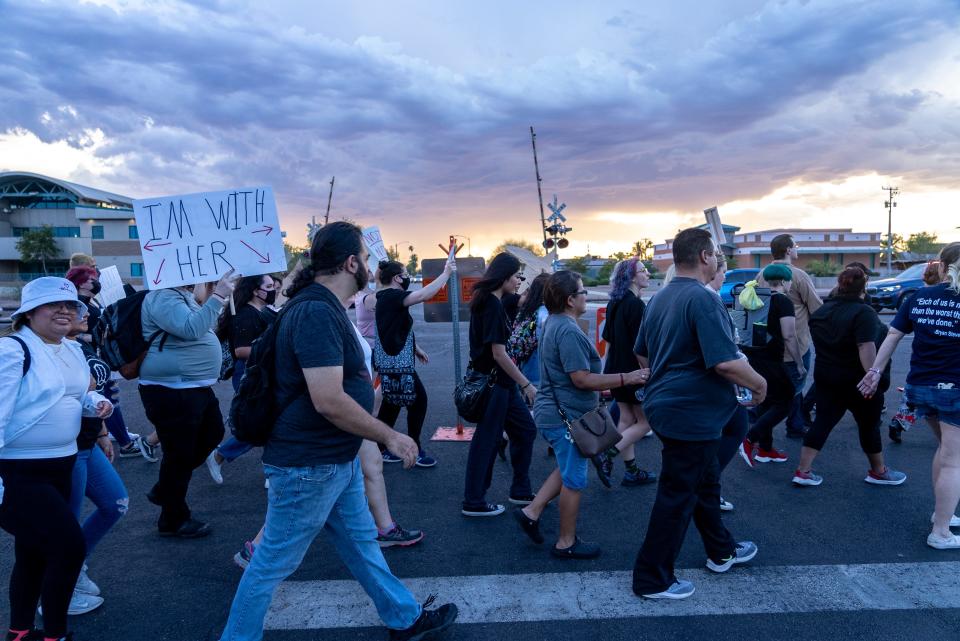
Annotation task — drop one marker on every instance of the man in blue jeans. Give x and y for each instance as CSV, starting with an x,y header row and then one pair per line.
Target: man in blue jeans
x,y
324,389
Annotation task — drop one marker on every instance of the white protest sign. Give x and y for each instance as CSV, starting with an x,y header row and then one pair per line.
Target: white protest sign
x,y
378,251
714,226
196,238
111,286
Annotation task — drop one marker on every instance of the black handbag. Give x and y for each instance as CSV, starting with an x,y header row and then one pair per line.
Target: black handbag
x,y
472,393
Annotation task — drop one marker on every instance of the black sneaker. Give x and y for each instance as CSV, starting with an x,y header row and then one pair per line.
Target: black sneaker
x,y
529,526
487,509
428,623
639,477
522,499
190,529
896,432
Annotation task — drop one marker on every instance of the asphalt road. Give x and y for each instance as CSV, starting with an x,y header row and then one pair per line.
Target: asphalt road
x,y
166,589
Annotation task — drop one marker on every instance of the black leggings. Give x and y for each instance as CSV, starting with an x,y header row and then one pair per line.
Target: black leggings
x,y
416,413
833,401
48,542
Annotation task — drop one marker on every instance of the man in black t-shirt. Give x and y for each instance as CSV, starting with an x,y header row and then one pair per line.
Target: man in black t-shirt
x,y
324,393
694,365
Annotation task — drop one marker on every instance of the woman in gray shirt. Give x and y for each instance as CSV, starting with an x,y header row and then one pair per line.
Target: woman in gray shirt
x,y
570,377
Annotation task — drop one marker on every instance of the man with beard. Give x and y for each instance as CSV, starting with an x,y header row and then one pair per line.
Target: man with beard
x,y
325,394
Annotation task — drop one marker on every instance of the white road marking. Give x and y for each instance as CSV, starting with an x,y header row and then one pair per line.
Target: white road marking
x,y
575,596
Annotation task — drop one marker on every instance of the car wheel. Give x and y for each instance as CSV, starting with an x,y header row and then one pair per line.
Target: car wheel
x,y
903,298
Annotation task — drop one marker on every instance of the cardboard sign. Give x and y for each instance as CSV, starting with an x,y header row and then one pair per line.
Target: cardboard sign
x,y
111,286
378,250
196,238
714,226
437,309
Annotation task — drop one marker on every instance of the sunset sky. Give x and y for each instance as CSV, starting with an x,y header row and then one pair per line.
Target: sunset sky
x,y
782,113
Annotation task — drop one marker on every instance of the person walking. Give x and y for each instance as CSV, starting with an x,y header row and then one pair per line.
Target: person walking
x,y
846,334
251,298
396,352
46,390
325,392
767,357
570,386
933,383
176,388
624,316
689,396
94,476
806,301
506,409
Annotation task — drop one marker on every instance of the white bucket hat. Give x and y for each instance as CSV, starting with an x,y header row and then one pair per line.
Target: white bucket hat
x,y
48,289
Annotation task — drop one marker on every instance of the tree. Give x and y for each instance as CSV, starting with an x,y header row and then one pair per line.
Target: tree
x,y
643,248
899,244
38,245
413,265
578,264
536,250
923,243
392,254
603,276
293,255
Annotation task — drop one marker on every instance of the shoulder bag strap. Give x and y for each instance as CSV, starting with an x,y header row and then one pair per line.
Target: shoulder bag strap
x,y
26,354
553,392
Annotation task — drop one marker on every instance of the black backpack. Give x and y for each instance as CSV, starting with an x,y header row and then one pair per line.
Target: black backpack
x,y
254,409
122,345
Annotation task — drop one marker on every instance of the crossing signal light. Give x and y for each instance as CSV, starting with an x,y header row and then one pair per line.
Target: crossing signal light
x,y
548,243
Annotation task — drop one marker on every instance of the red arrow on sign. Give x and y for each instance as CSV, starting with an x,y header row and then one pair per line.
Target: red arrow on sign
x,y
266,228
150,245
156,281
263,259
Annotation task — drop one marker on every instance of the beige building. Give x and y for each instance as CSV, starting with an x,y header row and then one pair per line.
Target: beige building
x,y
83,219
839,246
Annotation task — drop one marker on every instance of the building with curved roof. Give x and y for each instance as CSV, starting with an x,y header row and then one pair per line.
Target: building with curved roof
x,y
83,219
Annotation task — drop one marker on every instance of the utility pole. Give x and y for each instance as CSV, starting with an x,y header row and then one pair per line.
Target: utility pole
x,y
890,203
326,219
536,167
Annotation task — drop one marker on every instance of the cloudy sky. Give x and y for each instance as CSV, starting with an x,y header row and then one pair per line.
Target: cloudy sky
x,y
782,113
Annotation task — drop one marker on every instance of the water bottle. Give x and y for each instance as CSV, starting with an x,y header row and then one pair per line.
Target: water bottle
x,y
744,395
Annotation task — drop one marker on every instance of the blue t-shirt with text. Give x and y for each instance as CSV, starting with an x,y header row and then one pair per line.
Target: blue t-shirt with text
x,y
933,316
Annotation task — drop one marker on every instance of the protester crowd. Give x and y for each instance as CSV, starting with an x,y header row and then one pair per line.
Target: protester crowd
x,y
678,367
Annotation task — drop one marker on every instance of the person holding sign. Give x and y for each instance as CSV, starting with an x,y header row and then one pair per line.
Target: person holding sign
x,y
176,386
395,345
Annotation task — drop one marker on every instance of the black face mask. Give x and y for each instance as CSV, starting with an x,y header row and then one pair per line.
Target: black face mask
x,y
94,287
405,283
270,298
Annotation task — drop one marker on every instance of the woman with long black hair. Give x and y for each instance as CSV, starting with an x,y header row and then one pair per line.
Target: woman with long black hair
x,y
250,300
506,408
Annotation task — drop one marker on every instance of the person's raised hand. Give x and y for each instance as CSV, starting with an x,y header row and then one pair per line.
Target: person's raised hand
x,y
451,265
226,284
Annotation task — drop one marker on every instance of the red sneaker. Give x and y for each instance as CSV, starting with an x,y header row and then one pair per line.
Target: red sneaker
x,y
746,452
772,455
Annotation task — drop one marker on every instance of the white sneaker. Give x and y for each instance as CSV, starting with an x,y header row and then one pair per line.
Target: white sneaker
x,y
266,484
214,468
951,542
954,520
85,585
80,604
725,505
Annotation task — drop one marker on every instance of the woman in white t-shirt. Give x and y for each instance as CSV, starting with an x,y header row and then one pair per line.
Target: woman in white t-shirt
x,y
46,383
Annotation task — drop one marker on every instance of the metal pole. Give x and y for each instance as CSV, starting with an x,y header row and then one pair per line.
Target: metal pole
x,y
455,317
326,219
536,167
889,237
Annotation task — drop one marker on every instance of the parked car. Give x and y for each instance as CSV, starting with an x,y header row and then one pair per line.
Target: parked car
x,y
733,278
890,293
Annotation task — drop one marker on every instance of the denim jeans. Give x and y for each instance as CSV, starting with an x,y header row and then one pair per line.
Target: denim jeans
x,y
795,418
301,502
94,477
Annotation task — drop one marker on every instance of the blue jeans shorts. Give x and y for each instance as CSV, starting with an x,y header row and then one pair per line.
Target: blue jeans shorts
x,y
935,402
573,467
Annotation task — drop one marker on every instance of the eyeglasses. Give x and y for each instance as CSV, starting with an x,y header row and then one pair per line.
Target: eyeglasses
x,y
582,292
71,306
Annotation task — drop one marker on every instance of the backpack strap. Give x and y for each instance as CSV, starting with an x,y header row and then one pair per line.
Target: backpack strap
x,y
26,354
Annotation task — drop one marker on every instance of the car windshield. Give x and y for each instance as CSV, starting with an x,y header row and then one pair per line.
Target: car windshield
x,y
739,277
913,272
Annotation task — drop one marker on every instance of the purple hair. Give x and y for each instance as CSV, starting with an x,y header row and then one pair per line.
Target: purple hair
x,y
622,277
